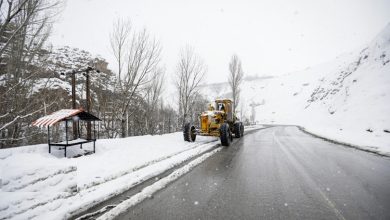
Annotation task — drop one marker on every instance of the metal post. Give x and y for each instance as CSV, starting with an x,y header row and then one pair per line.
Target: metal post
x,y
66,131
78,127
127,123
48,138
94,130
74,103
88,102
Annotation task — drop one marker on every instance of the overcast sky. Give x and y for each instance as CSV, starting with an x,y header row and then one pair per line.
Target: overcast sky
x,y
270,37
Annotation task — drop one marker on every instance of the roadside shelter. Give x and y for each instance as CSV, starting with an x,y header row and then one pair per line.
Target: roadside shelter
x,y
68,116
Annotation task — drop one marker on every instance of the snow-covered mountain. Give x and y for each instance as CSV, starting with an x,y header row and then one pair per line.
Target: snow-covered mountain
x,y
347,99
66,59
59,62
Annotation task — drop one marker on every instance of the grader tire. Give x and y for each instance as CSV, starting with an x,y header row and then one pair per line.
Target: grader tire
x,y
189,132
226,137
242,129
237,130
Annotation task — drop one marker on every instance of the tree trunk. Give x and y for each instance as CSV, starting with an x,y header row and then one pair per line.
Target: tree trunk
x,y
123,128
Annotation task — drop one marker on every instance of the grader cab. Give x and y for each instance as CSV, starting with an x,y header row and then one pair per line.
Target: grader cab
x,y
219,121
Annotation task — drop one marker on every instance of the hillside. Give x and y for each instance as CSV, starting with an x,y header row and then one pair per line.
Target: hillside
x,y
66,59
346,99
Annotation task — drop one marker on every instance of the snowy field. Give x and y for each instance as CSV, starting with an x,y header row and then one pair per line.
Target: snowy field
x,y
347,99
39,185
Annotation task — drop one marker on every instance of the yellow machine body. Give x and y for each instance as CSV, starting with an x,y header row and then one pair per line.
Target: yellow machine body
x,y
211,120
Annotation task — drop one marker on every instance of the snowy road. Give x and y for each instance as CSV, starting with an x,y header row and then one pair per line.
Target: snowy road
x,y
277,173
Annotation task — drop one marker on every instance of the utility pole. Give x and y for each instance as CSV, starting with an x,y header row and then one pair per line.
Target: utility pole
x,y
87,85
74,125
73,77
73,73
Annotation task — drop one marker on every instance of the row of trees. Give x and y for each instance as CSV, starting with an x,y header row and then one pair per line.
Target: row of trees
x,y
24,28
129,102
140,79
140,75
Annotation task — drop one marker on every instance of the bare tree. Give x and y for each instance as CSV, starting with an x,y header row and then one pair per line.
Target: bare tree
x,y
26,20
235,78
190,72
152,96
24,28
118,40
141,59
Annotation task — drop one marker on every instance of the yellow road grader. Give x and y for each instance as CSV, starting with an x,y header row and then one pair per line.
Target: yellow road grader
x,y
219,121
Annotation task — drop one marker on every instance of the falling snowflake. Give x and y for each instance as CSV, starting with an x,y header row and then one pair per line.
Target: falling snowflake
x,y
196,203
285,204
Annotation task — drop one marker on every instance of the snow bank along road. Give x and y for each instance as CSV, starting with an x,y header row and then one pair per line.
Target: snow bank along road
x,y
274,173
35,184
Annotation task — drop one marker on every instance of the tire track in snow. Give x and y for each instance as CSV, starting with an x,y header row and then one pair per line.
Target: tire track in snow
x,y
136,168
15,187
71,196
148,191
176,162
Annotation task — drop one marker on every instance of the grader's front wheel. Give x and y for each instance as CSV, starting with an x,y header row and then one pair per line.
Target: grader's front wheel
x,y
226,136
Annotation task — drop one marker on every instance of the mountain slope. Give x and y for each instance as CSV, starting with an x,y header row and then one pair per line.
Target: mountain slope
x,y
346,99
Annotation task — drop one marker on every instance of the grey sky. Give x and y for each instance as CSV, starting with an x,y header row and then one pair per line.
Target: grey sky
x,y
270,37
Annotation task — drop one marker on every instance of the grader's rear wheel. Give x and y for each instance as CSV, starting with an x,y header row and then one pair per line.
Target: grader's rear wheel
x,y
189,132
237,129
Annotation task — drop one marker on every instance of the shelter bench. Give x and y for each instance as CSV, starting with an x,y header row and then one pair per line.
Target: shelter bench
x,y
72,143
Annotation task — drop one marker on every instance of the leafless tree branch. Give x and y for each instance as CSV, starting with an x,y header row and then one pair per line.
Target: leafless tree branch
x,y
235,78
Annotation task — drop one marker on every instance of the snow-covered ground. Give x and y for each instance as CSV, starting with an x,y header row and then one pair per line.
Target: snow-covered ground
x,y
347,99
36,184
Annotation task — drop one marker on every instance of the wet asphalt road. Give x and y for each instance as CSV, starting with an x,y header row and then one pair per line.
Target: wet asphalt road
x,y
277,173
